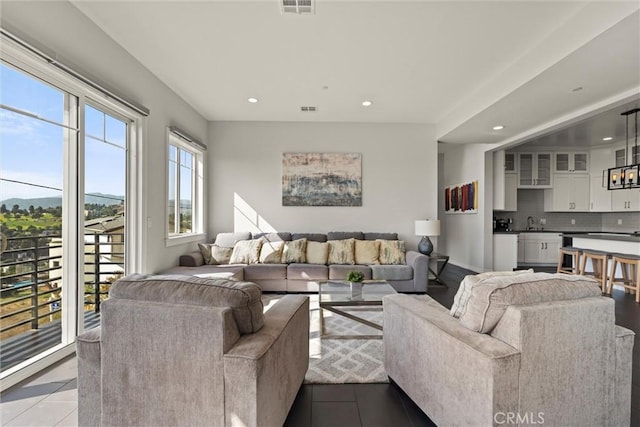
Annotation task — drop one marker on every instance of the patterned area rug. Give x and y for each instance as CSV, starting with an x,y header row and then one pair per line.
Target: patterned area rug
x,y
342,361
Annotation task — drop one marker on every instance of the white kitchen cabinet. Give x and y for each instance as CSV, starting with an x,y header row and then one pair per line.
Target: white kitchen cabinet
x,y
541,248
505,182
505,249
626,200
577,162
599,196
534,170
509,162
520,249
570,193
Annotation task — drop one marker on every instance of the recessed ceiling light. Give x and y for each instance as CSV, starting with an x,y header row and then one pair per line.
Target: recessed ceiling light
x,y
499,127
252,100
367,103
607,138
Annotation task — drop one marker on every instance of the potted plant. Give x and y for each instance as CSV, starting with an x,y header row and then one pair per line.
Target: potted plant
x,y
355,279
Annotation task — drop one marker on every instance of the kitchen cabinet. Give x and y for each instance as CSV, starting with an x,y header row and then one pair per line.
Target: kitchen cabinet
x,y
534,170
505,182
570,193
509,162
520,249
627,200
505,248
599,196
571,162
541,248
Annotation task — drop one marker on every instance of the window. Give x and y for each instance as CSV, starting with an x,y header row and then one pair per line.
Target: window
x,y
184,188
66,173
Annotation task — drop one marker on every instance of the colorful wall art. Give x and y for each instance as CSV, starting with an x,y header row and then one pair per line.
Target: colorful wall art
x,y
322,179
462,198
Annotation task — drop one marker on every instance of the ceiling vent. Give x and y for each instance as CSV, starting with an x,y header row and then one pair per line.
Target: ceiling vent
x,y
308,109
297,6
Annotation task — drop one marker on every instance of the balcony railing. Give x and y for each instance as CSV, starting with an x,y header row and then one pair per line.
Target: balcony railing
x,y
31,287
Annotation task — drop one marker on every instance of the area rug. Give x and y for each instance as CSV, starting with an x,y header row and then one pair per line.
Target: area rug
x,y
342,361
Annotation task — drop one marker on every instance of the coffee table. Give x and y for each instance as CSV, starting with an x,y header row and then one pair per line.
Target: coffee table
x,y
335,294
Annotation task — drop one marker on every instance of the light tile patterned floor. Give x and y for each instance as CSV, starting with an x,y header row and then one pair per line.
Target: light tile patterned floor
x,y
49,399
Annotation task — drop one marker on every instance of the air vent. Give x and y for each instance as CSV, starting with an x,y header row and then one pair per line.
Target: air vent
x,y
308,109
297,6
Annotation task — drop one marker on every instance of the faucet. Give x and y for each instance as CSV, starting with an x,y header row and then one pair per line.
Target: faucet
x,y
530,223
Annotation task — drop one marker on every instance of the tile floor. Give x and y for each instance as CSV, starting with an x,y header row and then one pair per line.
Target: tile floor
x,y
48,399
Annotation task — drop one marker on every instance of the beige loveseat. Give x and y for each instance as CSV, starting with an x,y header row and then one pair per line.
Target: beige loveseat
x,y
187,351
406,271
525,349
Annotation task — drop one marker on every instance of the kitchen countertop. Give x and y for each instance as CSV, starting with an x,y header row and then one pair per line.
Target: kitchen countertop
x,y
621,237
596,235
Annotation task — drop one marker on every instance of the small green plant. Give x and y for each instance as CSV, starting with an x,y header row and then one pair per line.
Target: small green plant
x,y
355,276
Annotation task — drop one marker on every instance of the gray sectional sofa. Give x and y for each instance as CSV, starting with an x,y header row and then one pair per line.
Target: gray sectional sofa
x,y
411,276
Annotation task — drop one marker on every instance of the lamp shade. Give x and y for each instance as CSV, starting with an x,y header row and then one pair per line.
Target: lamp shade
x,y
428,227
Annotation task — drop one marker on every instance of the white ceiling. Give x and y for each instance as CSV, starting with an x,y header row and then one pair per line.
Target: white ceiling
x,y
462,66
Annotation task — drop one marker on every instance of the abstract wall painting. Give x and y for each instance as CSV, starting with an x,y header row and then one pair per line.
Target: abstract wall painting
x,y
321,179
461,199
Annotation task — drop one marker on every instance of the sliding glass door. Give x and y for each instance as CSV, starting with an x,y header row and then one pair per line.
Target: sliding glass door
x,y
65,171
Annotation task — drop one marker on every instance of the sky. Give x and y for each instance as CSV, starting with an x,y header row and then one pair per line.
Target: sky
x,y
31,150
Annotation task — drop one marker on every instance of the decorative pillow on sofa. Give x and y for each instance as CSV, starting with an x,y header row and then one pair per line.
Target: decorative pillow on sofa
x,y
367,252
464,291
294,251
246,252
490,297
392,252
215,255
271,252
317,252
342,252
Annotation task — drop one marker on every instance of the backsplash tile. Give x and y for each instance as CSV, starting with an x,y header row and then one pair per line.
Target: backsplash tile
x,y
531,204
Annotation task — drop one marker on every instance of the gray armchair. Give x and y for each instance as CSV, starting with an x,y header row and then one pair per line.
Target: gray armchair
x,y
545,351
187,351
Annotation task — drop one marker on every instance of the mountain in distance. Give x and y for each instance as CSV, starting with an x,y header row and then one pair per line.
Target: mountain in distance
x,y
52,202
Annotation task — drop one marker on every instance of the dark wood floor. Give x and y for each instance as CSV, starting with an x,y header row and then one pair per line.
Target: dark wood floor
x,y
347,405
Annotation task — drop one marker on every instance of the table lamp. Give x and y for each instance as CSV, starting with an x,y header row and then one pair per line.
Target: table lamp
x,y
426,228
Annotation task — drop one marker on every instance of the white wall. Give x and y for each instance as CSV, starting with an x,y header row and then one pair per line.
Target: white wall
x,y
399,176
467,237
61,29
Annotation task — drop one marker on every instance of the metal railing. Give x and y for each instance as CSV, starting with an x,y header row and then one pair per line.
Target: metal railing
x,y
31,278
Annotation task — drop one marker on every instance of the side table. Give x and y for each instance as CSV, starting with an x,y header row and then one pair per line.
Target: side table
x,y
439,262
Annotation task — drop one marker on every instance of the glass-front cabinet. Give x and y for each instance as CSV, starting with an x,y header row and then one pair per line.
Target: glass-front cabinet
x,y
534,170
571,163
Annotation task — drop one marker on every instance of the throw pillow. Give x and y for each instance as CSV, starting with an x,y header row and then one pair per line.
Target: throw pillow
x,y
246,252
317,252
392,252
271,252
367,252
295,251
214,254
464,291
342,252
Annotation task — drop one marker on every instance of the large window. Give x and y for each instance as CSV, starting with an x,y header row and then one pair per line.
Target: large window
x,y
184,189
69,159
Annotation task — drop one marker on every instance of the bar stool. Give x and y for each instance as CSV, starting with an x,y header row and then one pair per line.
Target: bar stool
x,y
599,261
630,266
575,254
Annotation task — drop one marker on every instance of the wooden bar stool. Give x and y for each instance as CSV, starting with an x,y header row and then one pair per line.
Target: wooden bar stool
x,y
599,261
630,280
575,254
